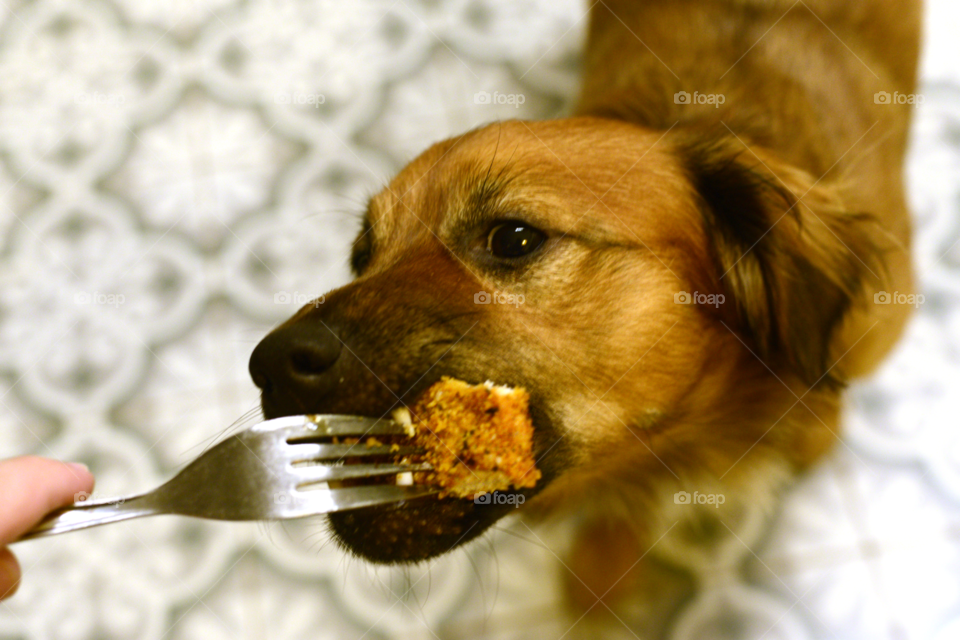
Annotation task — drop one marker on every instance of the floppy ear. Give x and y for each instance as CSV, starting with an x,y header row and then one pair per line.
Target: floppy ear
x,y
790,260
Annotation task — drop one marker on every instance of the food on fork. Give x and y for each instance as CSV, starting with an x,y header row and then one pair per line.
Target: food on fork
x,y
477,438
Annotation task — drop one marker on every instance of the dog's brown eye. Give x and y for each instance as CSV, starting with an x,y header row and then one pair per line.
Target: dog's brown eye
x,y
514,239
362,249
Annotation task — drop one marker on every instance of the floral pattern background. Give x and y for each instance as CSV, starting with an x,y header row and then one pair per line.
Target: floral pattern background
x,y
175,177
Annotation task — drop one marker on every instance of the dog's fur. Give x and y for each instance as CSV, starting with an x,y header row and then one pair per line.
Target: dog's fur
x,y
787,200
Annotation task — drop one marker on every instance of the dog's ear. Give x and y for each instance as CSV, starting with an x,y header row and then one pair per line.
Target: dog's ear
x,y
789,258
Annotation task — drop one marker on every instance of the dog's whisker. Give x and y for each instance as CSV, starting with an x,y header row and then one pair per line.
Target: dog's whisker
x,y
480,585
535,543
246,419
416,597
496,576
353,212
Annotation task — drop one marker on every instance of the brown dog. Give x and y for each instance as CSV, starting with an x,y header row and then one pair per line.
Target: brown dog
x,y
698,254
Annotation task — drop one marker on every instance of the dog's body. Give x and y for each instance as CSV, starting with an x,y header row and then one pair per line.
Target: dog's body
x,y
782,207
799,84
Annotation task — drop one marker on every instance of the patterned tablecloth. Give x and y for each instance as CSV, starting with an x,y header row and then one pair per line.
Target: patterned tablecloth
x,y
178,176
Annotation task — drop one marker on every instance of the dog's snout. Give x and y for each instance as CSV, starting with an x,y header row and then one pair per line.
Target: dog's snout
x,y
298,358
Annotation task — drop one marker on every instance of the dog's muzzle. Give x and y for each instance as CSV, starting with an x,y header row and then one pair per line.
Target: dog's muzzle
x,y
377,344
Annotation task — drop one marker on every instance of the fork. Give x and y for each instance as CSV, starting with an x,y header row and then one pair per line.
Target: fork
x,y
267,472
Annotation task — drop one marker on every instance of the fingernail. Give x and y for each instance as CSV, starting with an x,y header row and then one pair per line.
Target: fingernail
x,y
79,466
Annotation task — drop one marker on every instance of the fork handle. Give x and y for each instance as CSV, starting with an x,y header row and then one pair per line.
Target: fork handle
x,y
84,515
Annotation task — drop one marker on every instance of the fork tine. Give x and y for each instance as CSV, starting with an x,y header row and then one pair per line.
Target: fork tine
x,y
324,473
328,500
357,425
313,426
312,451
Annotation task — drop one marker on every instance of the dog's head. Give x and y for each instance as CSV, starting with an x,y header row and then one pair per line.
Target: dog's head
x,y
649,291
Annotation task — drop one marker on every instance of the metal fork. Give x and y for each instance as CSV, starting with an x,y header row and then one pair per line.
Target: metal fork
x,y
264,473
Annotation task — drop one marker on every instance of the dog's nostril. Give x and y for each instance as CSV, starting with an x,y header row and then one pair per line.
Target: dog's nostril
x,y
310,362
261,381
297,358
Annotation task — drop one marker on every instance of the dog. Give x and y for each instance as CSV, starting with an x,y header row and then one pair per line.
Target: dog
x,y
683,275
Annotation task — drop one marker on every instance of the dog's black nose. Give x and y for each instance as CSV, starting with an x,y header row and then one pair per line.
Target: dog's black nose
x,y
296,359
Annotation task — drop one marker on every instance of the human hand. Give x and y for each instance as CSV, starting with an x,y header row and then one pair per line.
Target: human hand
x,y
31,487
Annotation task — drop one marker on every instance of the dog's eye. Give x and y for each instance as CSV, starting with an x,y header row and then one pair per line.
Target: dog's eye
x,y
362,249
514,239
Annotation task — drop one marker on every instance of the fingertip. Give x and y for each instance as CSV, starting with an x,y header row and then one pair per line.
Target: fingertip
x,y
73,481
58,482
31,486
